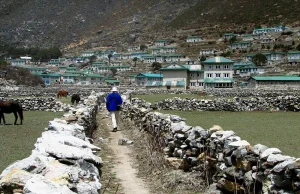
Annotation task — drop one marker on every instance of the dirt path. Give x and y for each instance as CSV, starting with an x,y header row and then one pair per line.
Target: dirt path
x,y
123,163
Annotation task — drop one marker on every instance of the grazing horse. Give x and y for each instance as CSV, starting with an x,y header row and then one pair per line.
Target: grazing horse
x,y
75,98
11,106
62,93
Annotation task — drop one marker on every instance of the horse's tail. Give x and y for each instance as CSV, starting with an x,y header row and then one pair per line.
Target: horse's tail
x,y
21,112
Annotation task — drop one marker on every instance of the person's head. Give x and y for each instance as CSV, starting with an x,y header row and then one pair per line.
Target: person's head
x,y
114,89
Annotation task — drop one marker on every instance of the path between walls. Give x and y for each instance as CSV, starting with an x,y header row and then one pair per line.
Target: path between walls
x,y
123,163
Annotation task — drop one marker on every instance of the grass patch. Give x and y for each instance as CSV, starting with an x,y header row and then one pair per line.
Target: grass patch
x,y
17,141
273,129
66,100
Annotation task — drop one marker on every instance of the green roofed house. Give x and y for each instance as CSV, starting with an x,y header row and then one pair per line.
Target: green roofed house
x,y
218,72
161,42
228,36
241,45
112,82
142,79
194,39
274,82
182,76
293,57
50,78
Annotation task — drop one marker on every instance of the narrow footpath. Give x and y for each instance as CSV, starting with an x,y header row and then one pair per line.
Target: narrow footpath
x,y
122,162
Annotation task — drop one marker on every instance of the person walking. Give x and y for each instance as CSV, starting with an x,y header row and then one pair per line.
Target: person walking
x,y
113,103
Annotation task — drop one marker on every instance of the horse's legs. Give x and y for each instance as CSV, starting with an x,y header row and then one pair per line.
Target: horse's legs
x,y
16,117
2,117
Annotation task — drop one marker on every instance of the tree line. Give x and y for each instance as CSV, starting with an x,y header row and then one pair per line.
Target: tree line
x,y
37,54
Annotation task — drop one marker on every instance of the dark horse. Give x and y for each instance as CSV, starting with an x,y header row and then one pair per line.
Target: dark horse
x,y
62,93
75,98
11,106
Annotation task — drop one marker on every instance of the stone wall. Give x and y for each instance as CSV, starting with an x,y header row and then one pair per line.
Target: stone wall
x,y
277,103
64,160
228,163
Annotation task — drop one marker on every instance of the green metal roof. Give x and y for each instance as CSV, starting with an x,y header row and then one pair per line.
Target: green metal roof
x,y
181,67
294,52
161,40
94,75
70,75
218,80
218,59
276,78
149,75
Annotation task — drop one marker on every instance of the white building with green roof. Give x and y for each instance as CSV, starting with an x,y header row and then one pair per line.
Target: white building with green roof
x,y
276,82
241,45
194,39
161,42
218,72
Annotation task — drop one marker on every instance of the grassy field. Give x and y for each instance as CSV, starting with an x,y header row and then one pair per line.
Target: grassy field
x,y
17,141
273,129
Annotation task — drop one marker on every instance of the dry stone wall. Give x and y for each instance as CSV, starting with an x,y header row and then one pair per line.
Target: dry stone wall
x,y
64,159
278,103
228,163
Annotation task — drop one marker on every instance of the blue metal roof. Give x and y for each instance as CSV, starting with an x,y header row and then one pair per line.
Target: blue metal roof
x,y
218,59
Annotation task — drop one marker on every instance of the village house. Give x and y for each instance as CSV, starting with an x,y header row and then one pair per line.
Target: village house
x,y
228,36
164,50
246,69
182,76
277,82
267,40
161,42
174,76
104,69
88,53
293,57
240,45
37,70
207,52
194,39
133,48
50,78
137,55
144,79
218,72
263,31
112,82
18,62
247,37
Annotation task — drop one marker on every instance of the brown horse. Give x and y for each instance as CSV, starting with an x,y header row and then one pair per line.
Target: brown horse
x,y
62,93
75,98
11,106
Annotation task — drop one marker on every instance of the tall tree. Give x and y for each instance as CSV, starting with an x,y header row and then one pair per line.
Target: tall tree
x,y
109,57
135,60
156,66
203,58
259,59
143,47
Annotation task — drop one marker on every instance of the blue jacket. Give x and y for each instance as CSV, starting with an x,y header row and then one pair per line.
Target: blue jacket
x,y
113,100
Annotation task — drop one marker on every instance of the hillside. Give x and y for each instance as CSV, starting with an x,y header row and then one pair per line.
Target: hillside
x,y
92,23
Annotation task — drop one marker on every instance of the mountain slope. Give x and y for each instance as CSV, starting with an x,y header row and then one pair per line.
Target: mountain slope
x,y
92,23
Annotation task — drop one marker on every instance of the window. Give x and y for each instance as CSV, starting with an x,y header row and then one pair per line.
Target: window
x,y
191,74
210,67
226,66
218,67
218,75
209,75
200,84
192,84
226,75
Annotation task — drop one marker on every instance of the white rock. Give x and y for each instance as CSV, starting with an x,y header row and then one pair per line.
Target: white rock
x,y
40,185
275,158
240,143
269,151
